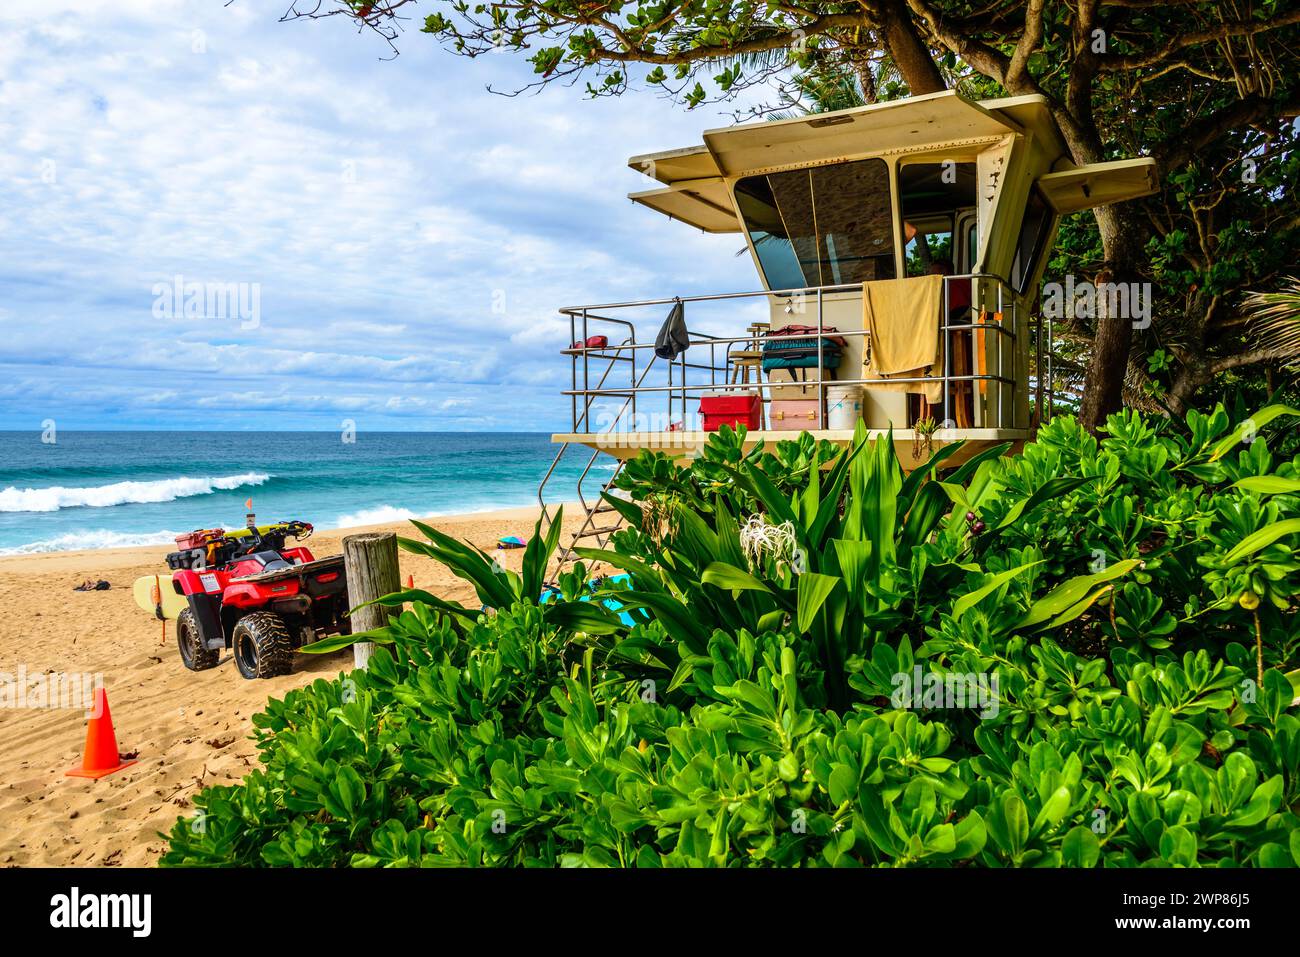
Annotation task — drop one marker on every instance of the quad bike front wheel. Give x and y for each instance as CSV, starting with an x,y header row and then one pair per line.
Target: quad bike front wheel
x,y
261,645
193,653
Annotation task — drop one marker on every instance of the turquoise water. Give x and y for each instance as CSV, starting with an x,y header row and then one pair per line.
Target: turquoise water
x,y
106,489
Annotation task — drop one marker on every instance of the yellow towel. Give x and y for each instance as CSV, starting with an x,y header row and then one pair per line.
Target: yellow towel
x,y
901,317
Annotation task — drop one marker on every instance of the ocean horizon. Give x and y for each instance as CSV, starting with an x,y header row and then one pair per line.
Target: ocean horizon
x,y
106,489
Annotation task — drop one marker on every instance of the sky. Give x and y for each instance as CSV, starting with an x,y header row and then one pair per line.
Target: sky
x,y
381,243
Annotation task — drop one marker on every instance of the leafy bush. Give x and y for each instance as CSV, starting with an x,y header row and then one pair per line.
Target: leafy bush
x,y
1101,629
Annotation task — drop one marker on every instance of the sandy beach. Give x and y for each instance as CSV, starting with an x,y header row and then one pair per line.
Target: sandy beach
x,y
189,728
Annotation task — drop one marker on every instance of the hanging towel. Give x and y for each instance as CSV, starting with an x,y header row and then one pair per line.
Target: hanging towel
x,y
901,318
673,338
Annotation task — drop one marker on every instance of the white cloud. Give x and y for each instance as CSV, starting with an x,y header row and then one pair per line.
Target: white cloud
x,y
411,233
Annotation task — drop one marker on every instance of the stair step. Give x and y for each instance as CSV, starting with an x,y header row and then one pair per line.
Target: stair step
x,y
590,532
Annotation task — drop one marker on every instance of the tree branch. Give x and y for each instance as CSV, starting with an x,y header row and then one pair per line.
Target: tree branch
x,y
1191,38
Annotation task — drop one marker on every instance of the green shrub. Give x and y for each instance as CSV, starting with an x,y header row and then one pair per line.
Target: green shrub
x,y
1102,631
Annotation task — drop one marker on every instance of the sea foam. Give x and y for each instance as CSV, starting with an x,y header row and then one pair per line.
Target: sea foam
x,y
120,493
96,538
374,516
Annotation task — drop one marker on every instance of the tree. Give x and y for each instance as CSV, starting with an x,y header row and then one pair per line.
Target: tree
x,y
1178,80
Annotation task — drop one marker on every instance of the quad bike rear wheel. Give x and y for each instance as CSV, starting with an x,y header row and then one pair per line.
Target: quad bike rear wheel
x,y
262,645
194,655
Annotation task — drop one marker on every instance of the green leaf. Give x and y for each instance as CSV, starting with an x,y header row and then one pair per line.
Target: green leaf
x,y
813,590
332,643
623,563
1008,823
537,555
1072,596
1052,488
399,598
1052,811
1261,539
1268,484
912,483
493,586
842,784
631,511
1252,424
1080,848
968,601
1274,855
1178,846
1262,803
732,578
971,465
583,616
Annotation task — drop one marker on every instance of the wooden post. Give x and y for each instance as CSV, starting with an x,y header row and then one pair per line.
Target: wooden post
x,y
371,563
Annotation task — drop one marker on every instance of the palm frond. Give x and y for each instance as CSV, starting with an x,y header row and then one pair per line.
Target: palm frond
x,y
1274,320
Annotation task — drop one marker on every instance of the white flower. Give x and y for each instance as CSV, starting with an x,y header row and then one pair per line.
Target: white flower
x,y
758,538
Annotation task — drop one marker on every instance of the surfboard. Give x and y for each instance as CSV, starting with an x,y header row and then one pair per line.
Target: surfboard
x,y
144,594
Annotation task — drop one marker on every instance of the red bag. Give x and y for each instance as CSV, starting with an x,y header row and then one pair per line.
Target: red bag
x,y
807,332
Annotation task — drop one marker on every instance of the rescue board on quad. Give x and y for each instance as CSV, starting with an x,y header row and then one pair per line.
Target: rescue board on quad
x,y
246,591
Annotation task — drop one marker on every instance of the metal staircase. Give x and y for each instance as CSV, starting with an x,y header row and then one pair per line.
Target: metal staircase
x,y
595,525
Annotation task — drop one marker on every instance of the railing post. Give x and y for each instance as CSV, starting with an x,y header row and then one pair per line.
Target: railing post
x,y
670,393
1001,384
821,388
1051,382
586,381
683,360
947,353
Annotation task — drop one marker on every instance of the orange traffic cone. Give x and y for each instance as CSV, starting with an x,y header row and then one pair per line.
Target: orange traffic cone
x,y
410,581
101,755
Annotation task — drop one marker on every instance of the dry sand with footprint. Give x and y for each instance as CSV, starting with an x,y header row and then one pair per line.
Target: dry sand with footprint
x,y
189,728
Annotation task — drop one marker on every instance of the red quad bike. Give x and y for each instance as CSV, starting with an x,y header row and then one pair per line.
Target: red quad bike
x,y
247,592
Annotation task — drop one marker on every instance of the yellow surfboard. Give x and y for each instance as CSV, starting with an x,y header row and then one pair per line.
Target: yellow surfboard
x,y
154,590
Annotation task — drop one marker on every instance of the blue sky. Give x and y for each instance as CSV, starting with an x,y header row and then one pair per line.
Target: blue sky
x,y
409,234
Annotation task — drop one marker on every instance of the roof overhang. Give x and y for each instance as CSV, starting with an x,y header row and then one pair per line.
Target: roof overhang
x,y
703,203
917,122
1099,184
1033,115
936,120
673,166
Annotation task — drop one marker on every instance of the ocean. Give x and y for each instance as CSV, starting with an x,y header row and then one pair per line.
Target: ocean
x,y
107,489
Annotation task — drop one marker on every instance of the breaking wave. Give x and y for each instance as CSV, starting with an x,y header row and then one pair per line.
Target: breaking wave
x,y
97,538
374,516
120,493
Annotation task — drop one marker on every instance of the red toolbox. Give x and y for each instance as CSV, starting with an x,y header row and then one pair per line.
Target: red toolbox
x,y
200,538
793,415
731,408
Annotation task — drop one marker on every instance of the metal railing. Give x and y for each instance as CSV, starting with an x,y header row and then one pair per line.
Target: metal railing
x,y
989,295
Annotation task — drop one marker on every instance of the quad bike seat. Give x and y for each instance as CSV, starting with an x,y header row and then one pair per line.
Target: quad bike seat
x,y
270,561
308,572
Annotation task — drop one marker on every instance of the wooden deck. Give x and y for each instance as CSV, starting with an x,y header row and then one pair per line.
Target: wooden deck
x,y
626,445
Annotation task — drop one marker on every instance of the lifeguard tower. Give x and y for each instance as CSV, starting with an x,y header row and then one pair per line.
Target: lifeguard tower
x,y
905,240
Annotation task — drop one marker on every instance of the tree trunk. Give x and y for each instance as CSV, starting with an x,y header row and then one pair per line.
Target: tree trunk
x,y
910,54
371,563
1121,245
